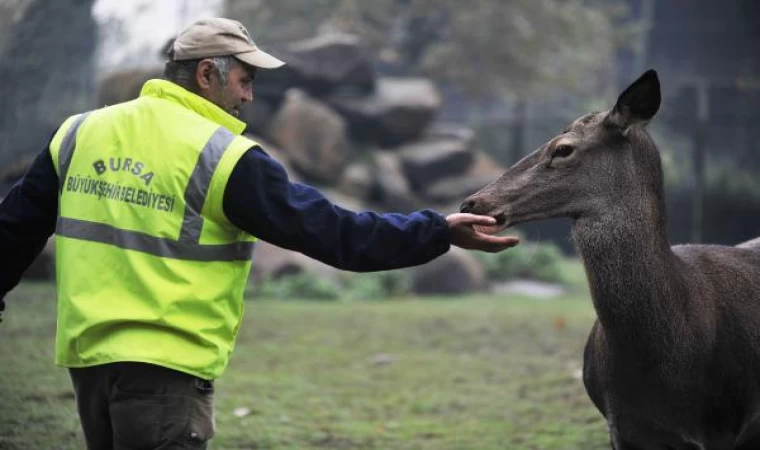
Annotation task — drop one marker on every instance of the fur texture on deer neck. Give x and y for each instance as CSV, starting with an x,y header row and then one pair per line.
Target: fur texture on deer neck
x,y
637,289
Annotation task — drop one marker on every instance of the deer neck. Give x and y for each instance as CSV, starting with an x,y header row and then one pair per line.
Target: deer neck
x,y
631,272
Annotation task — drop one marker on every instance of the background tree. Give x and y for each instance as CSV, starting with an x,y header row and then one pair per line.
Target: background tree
x,y
10,12
47,64
482,46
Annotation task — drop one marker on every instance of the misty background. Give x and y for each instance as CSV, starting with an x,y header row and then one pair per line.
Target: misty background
x,y
395,105
432,87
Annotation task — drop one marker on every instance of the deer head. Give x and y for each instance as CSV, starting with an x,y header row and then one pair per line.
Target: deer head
x,y
585,171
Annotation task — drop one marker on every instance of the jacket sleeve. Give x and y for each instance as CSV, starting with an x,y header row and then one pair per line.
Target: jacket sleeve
x,y
27,219
261,200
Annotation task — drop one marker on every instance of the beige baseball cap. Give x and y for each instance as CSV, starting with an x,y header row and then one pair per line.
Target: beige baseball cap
x,y
207,38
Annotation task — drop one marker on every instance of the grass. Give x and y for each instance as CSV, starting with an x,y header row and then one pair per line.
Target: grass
x,y
437,373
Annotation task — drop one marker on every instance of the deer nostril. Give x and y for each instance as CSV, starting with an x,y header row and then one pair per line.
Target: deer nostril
x,y
467,206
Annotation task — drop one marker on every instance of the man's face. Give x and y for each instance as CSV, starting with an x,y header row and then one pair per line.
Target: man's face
x,y
237,91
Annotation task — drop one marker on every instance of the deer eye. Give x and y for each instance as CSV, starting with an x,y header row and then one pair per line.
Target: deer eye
x,y
562,151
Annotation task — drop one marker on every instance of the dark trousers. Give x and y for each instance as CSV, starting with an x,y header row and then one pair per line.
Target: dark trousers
x,y
136,406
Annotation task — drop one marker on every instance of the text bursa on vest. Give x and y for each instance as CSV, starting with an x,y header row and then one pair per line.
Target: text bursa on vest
x,y
128,165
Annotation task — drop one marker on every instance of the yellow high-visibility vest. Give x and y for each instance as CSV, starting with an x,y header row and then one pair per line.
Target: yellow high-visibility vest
x,y
148,267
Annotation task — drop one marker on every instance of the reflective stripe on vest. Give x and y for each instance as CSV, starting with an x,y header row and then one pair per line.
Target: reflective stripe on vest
x,y
187,247
67,148
200,179
141,242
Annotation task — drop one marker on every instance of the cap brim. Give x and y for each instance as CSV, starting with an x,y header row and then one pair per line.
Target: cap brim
x,y
260,59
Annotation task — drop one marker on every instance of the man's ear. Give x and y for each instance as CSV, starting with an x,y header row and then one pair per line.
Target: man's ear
x,y
204,72
638,103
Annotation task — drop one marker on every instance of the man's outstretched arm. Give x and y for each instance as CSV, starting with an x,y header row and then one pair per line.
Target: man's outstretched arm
x,y
261,200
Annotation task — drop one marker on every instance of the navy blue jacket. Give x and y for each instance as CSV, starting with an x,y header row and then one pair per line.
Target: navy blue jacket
x,y
259,199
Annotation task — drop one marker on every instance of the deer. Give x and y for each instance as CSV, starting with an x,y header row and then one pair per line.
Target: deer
x,y
672,360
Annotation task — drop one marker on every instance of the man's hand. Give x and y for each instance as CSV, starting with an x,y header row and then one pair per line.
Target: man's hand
x,y
475,232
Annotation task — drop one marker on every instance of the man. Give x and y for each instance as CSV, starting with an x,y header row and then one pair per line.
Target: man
x,y
156,204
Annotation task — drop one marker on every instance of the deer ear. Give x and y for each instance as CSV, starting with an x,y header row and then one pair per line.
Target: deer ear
x,y
637,104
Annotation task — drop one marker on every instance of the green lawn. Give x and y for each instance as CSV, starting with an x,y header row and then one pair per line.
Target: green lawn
x,y
469,373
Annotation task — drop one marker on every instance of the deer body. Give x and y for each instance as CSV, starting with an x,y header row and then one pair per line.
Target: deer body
x,y
673,360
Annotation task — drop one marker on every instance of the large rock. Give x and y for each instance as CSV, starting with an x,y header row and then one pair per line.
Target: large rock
x,y
333,62
119,87
321,65
392,189
272,262
451,131
425,162
357,181
456,272
484,165
313,136
258,116
482,170
270,86
455,188
398,111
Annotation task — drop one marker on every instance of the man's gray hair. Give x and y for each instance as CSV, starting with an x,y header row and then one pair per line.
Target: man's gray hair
x,y
183,72
223,65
